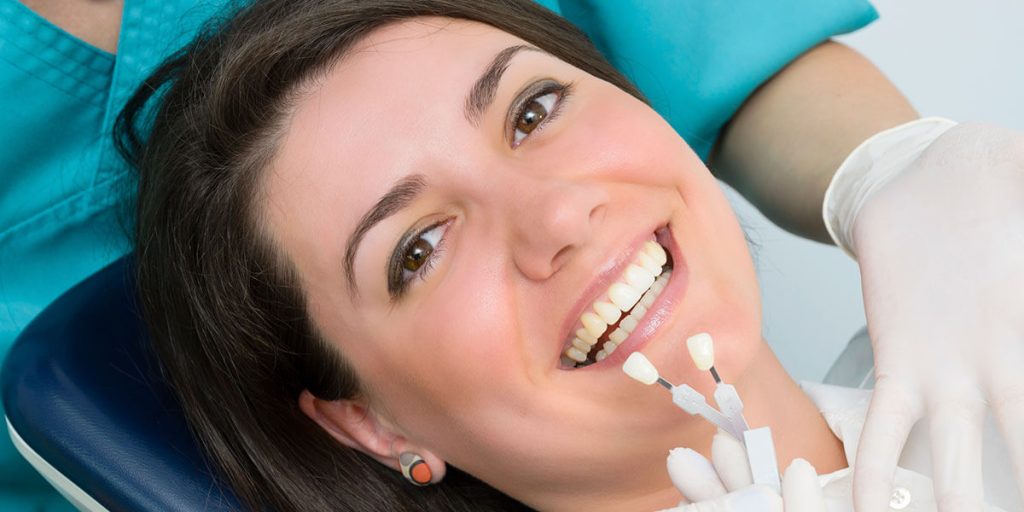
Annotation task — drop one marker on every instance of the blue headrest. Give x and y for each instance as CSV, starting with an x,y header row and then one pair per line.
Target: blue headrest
x,y
82,389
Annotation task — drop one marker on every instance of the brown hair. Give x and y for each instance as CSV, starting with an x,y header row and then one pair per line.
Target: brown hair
x,y
227,318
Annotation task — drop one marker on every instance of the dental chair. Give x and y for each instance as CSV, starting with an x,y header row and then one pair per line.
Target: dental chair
x,y
87,407
86,404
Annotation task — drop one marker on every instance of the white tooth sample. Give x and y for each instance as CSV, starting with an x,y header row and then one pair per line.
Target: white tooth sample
x,y
601,354
638,312
607,311
617,336
581,345
648,263
657,252
702,350
584,335
639,368
639,277
593,324
576,354
629,323
623,296
609,347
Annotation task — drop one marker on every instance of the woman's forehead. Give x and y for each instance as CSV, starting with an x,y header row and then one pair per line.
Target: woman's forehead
x,y
396,96
440,46
399,83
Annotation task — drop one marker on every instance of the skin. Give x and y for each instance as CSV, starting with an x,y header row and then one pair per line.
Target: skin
x,y
464,369
782,147
97,22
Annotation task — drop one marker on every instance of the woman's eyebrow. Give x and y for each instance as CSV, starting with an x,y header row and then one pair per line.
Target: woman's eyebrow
x,y
482,93
401,194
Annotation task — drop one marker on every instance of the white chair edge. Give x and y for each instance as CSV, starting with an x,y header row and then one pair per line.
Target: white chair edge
x,y
67,488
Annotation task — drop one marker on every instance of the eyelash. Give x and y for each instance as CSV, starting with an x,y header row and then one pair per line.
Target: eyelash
x,y
398,283
547,86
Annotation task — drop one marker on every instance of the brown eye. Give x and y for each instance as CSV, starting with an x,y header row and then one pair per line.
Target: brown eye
x,y
532,115
417,255
414,257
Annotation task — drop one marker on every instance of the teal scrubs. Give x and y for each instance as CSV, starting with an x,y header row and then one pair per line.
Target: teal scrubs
x,y
65,194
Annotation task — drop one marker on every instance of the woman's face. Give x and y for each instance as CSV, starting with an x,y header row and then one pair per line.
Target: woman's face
x,y
451,220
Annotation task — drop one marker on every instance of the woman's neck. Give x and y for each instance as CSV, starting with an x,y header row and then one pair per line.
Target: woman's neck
x,y
771,398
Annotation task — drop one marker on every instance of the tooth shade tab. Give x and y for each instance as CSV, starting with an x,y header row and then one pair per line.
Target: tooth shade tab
x,y
640,369
702,350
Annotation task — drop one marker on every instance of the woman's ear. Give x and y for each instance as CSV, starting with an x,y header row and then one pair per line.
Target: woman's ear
x,y
356,426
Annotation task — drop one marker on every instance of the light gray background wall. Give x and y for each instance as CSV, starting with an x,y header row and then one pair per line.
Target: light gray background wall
x,y
955,58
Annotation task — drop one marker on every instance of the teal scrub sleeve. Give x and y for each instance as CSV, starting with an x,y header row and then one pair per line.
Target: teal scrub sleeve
x,y
698,60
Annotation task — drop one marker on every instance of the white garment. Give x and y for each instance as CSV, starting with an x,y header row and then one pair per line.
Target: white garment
x,y
845,409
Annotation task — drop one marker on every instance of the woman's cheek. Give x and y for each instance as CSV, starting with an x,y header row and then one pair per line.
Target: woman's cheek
x,y
468,332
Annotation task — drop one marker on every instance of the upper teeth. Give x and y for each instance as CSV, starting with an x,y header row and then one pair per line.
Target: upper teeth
x,y
637,281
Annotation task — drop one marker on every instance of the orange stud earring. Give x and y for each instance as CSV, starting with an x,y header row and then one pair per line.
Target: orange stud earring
x,y
415,469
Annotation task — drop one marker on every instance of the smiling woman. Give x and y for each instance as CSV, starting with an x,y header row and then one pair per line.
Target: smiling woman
x,y
375,229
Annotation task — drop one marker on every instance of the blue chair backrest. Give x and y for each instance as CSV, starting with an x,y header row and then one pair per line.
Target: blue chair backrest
x,y
83,391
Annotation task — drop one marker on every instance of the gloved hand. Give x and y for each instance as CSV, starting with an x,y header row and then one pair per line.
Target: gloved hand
x,y
941,251
727,485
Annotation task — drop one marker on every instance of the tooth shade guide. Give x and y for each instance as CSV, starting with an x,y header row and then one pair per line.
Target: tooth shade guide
x,y
702,350
714,375
640,369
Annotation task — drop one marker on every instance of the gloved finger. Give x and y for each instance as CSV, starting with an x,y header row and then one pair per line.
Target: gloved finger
x,y
893,412
1011,422
956,436
801,491
730,460
1008,407
693,475
754,498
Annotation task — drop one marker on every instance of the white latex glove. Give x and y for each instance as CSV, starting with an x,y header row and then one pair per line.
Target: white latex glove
x,y
941,252
727,485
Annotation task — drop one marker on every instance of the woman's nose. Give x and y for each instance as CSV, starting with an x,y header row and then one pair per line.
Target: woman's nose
x,y
552,221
